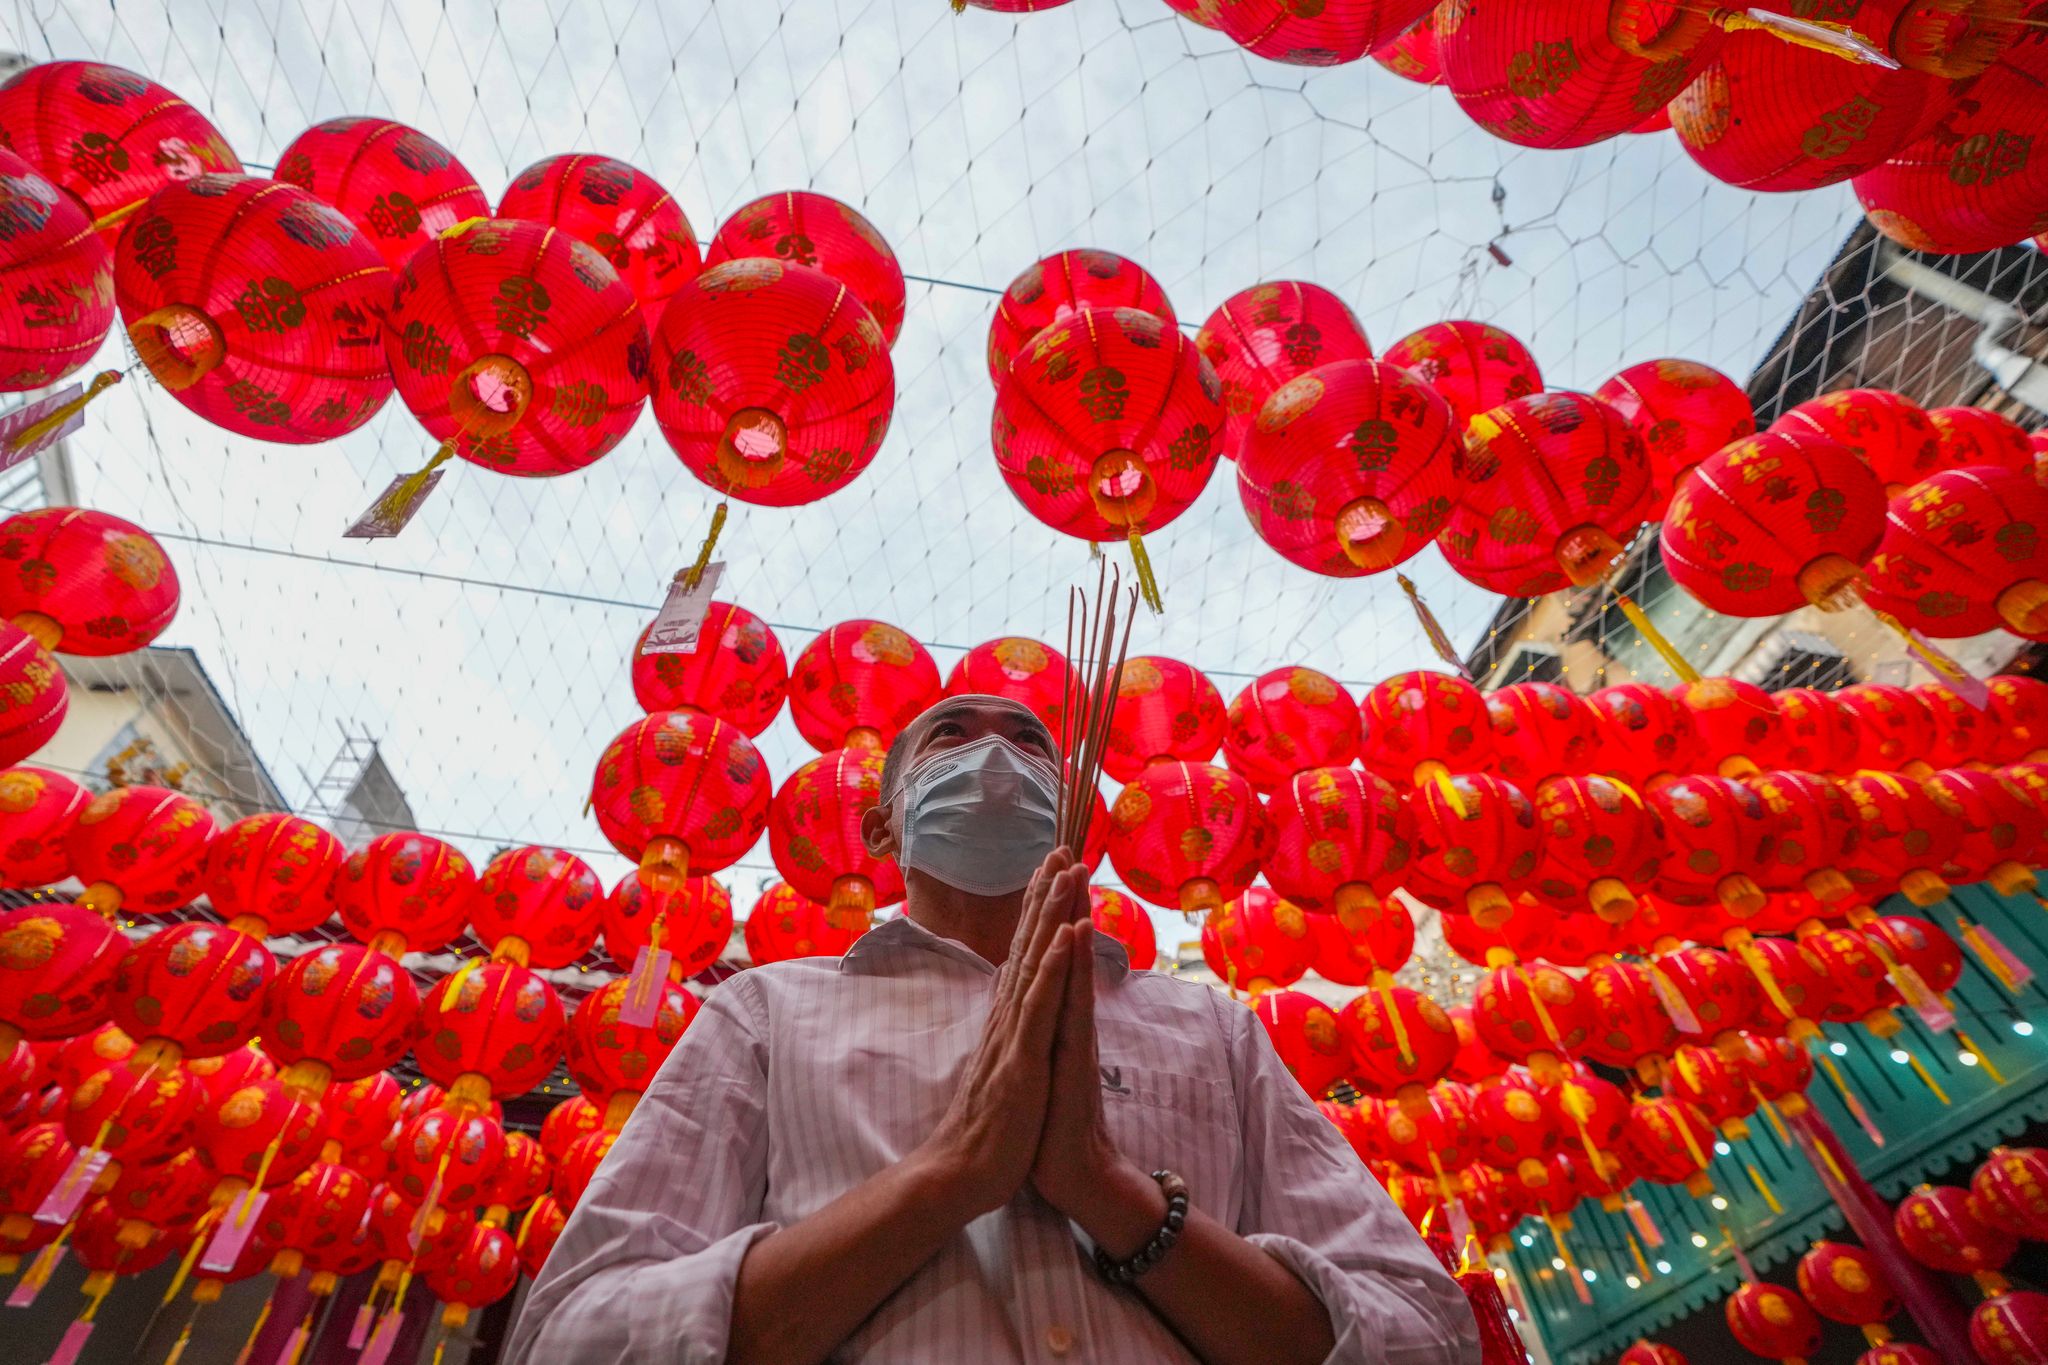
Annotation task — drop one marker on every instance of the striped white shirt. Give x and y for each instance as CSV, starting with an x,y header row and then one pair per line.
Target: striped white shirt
x,y
801,1079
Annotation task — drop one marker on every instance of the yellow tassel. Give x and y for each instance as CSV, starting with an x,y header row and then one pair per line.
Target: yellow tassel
x,y
1448,789
1816,35
262,1316
1756,1178
1542,1011
1849,1100
393,504
1967,1041
1920,1070
1834,1168
199,1236
1385,985
1745,948
178,1350
58,416
1771,1113
1665,649
118,216
959,6
694,575
1148,586
1635,1249
1431,627
1992,962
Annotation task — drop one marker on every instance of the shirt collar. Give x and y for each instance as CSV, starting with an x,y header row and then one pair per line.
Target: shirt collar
x,y
893,937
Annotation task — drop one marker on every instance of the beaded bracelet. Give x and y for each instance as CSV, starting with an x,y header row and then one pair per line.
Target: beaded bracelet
x,y
1149,1255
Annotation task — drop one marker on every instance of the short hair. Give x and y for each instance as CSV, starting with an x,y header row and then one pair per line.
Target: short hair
x,y
896,760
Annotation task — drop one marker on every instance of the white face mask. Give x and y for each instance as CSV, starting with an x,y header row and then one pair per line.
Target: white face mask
x,y
979,817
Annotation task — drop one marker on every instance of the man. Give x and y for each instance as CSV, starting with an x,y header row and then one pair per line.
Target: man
x,y
941,1148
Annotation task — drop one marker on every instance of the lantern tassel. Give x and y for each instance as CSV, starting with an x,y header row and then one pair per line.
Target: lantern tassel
x,y
249,1345
1437,773
1996,957
392,506
1837,40
118,216
184,1272
1849,1100
1983,1061
1635,1249
295,1346
1756,1178
1745,948
178,1347
1646,1226
1665,649
1771,1113
694,575
46,426
1148,585
959,6
1439,639
1926,1076
1384,984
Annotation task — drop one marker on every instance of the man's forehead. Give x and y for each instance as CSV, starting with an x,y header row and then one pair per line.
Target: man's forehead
x,y
973,705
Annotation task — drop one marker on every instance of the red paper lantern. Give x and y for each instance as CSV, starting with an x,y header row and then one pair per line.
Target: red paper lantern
x,y
736,673
1165,711
1918,944
1559,472
33,694
31,1164
275,871
321,1208
609,1057
1316,37
693,923
1962,554
1356,956
1348,469
85,582
2001,829
1628,1022
1652,1353
402,188
481,1270
1413,56
1472,856
1845,1284
566,1122
1123,919
1818,829
1516,1134
1855,976
1106,424
1060,286
1907,837
1940,1227
1400,1042
1899,1353
193,989
1978,436
110,137
1774,522
1773,1322
2011,1329
290,354
1475,366
1341,838
785,924
1643,732
361,1114
1720,991
142,849
1968,184
37,809
1819,735
1532,1014
1552,73
448,1156
404,891
261,1119
859,683
1022,670
1704,1079
2018,718
537,906
772,383
57,281
1802,983
1188,836
814,836
1738,723
522,1176
518,347
1894,437
1257,942
1668,1143
1684,412
1960,729
1540,730
1304,1034
134,1114
487,1031
1475,1062
1289,721
1590,1112
810,229
579,1164
1766,114
1894,726
539,1231
1435,1137
617,209
1265,336
223,1076
340,1012
1599,841
677,793
154,1196
1420,724
2010,1189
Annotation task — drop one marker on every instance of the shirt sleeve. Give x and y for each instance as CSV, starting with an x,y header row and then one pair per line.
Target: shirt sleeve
x,y
1310,1202
645,1269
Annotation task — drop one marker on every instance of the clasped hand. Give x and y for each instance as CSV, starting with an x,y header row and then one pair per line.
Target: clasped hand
x,y
1029,1105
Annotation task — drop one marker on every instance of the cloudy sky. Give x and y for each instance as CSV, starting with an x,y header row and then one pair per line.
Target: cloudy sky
x,y
487,646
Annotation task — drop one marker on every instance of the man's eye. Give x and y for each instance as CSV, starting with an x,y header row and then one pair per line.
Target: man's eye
x,y
946,728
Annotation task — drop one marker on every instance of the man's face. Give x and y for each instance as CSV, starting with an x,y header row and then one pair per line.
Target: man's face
x,y
947,725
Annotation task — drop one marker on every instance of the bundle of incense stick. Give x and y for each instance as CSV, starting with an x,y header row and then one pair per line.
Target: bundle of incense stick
x,y
1084,716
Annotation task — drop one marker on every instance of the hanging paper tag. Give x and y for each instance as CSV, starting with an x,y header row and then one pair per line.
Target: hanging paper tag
x,y
72,1187
1943,668
1918,994
682,615
359,1330
1646,1227
1439,639
1674,1004
643,988
1838,39
236,1227
381,1340
294,1345
381,523
74,1341
2007,964
31,1283
13,424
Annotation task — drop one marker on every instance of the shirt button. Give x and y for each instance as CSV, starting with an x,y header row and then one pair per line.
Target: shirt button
x,y
1058,1339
